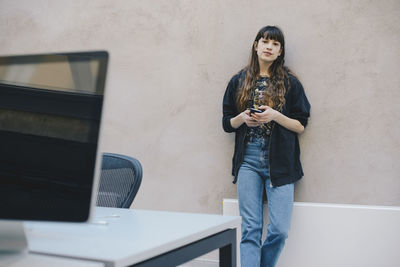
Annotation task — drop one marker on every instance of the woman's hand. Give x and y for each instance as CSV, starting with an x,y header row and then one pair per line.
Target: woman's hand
x,y
244,117
249,120
269,114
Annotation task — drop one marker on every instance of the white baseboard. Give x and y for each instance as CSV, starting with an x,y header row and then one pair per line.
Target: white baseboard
x,y
331,235
201,262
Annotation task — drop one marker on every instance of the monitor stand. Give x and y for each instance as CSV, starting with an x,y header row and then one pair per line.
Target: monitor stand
x,y
13,241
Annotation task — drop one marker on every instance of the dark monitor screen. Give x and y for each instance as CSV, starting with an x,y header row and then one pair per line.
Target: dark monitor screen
x,y
50,113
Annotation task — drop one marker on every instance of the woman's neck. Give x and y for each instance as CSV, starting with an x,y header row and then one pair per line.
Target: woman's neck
x,y
264,68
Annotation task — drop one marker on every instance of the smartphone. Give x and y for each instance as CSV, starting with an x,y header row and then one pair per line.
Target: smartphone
x,y
253,110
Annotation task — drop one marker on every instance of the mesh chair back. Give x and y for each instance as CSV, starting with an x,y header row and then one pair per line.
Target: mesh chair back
x,y
120,180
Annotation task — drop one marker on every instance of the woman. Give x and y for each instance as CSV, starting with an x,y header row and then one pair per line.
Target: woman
x,y
265,105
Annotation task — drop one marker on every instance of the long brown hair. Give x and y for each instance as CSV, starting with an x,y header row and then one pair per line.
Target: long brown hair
x,y
278,73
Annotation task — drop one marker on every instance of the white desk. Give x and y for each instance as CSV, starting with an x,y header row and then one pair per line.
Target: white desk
x,y
36,260
138,237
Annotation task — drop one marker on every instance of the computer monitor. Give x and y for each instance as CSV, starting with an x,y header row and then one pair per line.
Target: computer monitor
x,y
50,115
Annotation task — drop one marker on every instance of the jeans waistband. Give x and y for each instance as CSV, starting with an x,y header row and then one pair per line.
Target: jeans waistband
x,y
258,140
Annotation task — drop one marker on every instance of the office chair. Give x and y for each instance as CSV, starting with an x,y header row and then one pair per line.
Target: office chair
x,y
120,180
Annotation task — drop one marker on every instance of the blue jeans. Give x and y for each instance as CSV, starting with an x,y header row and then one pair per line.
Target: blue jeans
x,y
253,177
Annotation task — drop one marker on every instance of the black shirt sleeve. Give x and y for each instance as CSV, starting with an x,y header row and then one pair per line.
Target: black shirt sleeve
x,y
229,108
299,107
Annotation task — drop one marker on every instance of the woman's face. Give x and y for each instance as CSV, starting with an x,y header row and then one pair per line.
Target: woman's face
x,y
268,50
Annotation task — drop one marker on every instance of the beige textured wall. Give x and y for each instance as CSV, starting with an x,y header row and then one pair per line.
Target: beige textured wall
x,y
171,61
